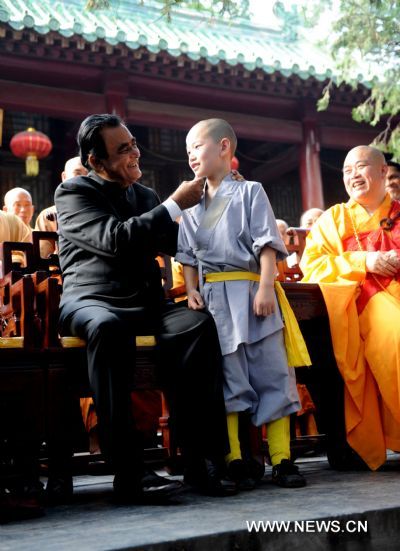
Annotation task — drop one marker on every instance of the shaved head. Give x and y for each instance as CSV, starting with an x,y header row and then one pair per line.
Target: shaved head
x,y
73,167
11,194
366,151
282,227
217,129
309,217
18,201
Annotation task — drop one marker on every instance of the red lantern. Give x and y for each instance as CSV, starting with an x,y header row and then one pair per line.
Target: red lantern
x,y
32,146
234,163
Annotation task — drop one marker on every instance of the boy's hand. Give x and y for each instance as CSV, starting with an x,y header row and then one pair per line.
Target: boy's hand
x,y
188,193
195,301
264,301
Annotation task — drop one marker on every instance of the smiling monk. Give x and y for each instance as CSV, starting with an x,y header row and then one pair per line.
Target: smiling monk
x,y
353,253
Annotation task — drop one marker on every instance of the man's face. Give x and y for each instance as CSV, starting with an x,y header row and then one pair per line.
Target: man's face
x,y
20,204
122,165
364,176
203,152
392,182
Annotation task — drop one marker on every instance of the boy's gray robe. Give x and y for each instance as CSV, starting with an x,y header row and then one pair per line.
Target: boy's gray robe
x,y
226,237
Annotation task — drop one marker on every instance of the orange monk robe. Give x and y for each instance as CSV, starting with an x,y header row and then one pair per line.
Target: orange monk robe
x,y
366,345
13,229
146,407
178,281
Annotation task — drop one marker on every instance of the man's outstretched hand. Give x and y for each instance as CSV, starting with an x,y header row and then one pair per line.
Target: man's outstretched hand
x,y
188,193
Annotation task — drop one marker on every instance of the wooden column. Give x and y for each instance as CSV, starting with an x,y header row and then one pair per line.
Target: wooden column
x,y
310,169
116,90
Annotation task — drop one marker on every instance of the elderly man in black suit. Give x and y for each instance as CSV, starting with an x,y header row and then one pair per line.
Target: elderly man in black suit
x,y
111,229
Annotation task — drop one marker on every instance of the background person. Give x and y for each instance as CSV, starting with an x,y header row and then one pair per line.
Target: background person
x,y
47,218
393,180
18,201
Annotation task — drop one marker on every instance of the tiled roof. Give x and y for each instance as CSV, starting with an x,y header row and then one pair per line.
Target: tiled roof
x,y
283,46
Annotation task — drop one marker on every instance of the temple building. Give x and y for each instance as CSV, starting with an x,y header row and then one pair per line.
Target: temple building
x,y
60,62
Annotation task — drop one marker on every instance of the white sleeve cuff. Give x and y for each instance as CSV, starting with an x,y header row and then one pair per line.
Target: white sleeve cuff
x,y
173,210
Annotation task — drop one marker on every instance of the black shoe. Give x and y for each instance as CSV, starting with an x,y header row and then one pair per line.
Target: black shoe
x,y
287,475
59,489
255,469
237,472
19,507
23,502
150,489
204,479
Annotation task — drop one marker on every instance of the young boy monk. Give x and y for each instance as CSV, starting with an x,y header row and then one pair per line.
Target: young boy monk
x,y
230,243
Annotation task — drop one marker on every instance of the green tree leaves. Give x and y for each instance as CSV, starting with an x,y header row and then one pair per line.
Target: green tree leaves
x,y
366,37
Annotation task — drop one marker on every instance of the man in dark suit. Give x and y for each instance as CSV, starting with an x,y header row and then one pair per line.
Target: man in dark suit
x,y
111,229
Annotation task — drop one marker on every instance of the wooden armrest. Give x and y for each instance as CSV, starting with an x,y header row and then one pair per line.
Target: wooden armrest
x,y
147,340
72,342
76,342
11,342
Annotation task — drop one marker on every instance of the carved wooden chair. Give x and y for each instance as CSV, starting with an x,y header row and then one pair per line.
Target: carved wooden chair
x,y
289,269
47,294
17,319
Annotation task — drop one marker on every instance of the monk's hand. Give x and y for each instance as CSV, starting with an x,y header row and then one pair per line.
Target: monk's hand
x,y
188,193
195,301
385,264
264,301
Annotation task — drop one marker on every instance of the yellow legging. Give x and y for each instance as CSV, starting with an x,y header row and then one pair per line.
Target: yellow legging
x,y
232,421
278,433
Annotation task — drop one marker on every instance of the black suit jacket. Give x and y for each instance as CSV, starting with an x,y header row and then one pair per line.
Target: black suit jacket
x,y
108,241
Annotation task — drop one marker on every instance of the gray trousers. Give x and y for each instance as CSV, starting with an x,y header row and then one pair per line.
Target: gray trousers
x,y
257,379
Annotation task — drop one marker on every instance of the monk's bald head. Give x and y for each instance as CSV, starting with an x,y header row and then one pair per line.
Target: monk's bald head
x,y
18,201
73,167
217,129
364,172
365,152
309,217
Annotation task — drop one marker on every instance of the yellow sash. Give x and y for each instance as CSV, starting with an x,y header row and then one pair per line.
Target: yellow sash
x,y
296,349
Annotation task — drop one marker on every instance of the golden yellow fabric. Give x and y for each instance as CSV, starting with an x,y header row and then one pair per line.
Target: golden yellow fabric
x,y
232,422
213,277
177,279
296,349
367,346
278,434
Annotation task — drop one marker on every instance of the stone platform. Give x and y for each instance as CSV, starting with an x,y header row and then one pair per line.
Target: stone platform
x,y
361,512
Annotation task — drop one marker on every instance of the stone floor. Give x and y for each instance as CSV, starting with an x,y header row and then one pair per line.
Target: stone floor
x,y
93,522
